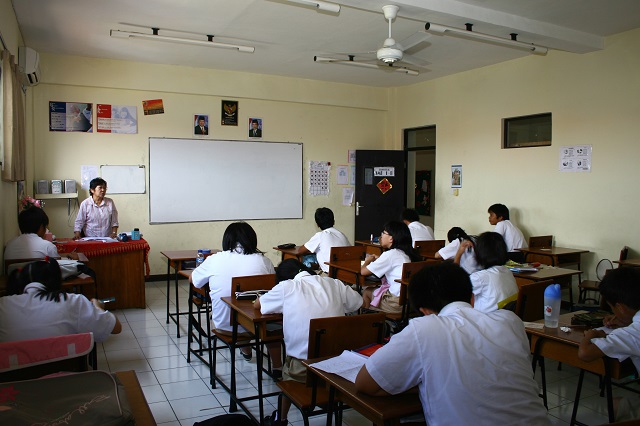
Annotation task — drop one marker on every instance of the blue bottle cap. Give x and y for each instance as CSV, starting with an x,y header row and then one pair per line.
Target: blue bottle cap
x,y
553,290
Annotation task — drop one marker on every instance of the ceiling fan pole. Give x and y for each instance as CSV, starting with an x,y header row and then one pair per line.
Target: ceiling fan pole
x,y
469,26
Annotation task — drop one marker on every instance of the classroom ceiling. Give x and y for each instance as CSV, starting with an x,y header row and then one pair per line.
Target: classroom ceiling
x,y
287,35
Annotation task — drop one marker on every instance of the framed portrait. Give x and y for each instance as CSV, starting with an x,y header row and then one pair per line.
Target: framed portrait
x,y
201,125
456,176
229,113
255,128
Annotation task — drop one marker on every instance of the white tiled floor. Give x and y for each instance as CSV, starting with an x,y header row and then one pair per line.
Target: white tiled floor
x,y
179,393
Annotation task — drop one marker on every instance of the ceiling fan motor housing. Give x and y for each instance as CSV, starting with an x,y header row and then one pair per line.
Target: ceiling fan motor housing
x,y
389,55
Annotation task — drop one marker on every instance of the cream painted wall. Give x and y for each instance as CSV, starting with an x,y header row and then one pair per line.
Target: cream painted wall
x,y
12,38
329,119
594,99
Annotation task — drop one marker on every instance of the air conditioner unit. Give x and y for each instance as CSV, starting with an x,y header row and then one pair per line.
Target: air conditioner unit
x,y
29,65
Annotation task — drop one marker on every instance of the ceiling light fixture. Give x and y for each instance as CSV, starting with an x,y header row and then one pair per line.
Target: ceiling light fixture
x,y
364,65
469,33
208,43
321,5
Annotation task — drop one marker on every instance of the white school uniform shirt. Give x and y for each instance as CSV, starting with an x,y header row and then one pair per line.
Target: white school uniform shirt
x,y
389,265
218,270
512,235
471,368
491,286
467,260
321,244
26,316
303,298
96,220
28,246
622,343
420,232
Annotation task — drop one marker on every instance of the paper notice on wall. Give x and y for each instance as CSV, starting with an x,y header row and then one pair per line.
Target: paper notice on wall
x,y
319,178
347,196
575,158
87,173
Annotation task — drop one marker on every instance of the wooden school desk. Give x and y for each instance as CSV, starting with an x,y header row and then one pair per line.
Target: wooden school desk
x,y
558,256
558,345
291,253
561,276
120,268
381,410
348,271
137,402
175,258
628,262
243,313
370,247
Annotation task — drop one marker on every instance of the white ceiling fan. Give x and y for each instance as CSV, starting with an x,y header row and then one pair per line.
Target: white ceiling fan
x,y
392,54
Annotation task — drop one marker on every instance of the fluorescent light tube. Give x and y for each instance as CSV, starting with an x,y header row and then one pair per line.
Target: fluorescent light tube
x,y
443,29
365,65
156,37
321,5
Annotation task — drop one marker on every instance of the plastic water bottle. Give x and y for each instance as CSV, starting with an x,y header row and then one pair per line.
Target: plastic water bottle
x,y
199,258
135,234
552,296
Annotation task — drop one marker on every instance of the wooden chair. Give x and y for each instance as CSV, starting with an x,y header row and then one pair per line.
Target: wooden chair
x,y
408,270
530,302
352,253
246,283
541,241
428,248
603,266
199,304
329,337
71,284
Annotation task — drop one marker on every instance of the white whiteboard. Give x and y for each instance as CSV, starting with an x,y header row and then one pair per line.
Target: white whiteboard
x,y
197,180
124,179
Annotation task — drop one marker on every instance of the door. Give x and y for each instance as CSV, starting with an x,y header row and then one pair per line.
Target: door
x,y
380,190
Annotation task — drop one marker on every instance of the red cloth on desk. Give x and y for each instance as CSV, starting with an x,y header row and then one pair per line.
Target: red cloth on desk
x,y
101,248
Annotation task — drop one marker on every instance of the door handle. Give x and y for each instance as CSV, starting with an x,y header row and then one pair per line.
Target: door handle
x,y
358,205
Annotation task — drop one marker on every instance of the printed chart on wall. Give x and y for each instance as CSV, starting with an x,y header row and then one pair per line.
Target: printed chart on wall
x,y
575,158
319,177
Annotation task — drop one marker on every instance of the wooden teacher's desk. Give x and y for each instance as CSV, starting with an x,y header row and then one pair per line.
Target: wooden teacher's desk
x,y
381,410
120,268
563,346
243,313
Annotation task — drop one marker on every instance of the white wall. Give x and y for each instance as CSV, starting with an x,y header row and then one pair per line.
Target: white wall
x,y
594,100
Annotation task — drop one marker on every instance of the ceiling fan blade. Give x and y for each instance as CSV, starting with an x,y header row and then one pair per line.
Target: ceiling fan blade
x,y
414,39
415,61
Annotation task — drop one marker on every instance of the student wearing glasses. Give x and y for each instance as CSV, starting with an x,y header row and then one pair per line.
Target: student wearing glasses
x,y
395,240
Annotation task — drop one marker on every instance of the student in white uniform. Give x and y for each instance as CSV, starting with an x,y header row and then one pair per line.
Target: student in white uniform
x,y
494,285
499,216
240,257
419,231
471,368
322,241
468,259
621,289
31,244
300,296
395,240
40,308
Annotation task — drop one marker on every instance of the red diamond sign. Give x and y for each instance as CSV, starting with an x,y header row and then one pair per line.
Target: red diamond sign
x,y
384,185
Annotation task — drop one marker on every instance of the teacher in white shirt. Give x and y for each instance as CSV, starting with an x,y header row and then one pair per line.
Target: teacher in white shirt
x,y
98,216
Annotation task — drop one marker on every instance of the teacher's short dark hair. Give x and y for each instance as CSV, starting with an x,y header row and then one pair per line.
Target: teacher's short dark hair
x,y
97,181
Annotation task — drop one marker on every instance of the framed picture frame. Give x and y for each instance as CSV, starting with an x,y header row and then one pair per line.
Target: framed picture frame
x,y
229,113
255,128
456,176
201,125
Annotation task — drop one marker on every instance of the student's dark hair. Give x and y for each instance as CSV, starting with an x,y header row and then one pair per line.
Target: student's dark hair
x,y
97,181
500,210
490,249
402,238
457,233
240,233
31,219
46,272
289,268
410,215
324,218
435,286
622,285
